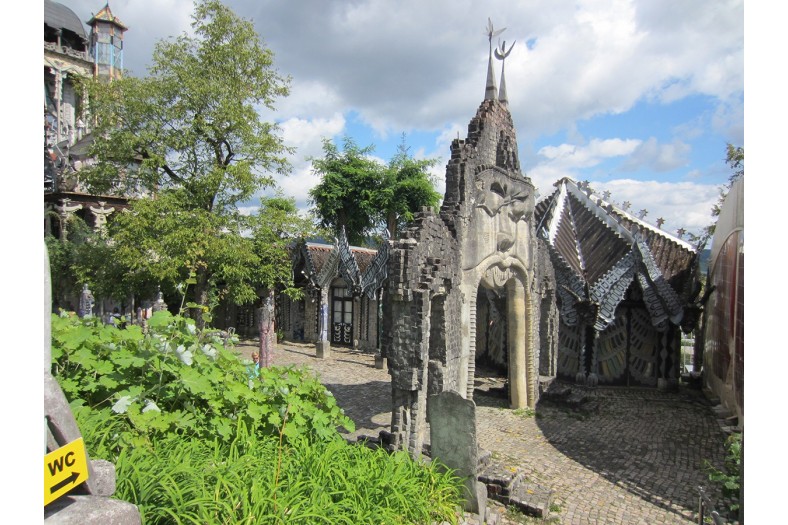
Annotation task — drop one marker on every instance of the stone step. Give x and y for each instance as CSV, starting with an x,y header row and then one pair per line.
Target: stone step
x,y
501,481
508,485
532,499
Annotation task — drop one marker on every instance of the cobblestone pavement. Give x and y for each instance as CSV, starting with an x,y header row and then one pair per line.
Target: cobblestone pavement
x,y
635,458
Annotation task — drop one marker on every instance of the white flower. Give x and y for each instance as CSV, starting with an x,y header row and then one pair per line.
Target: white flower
x,y
191,328
184,355
122,404
209,350
150,405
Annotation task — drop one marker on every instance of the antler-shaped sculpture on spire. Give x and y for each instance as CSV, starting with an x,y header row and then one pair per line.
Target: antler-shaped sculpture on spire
x,y
491,32
490,90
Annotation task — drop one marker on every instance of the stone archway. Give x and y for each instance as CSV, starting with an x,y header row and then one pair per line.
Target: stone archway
x,y
507,284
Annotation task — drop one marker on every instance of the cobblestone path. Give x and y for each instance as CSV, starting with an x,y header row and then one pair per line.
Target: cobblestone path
x,y
635,458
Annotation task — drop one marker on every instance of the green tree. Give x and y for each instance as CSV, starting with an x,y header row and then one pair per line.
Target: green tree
x,y
274,229
362,195
190,134
346,194
407,187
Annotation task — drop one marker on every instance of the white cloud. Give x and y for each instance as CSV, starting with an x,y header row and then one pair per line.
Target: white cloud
x,y
682,204
568,156
418,65
658,157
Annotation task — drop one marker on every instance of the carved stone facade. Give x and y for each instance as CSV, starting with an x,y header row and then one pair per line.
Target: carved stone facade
x,y
623,286
480,249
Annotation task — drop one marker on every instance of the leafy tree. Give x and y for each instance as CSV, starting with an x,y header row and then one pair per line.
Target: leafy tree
x,y
360,194
346,194
406,189
190,134
274,228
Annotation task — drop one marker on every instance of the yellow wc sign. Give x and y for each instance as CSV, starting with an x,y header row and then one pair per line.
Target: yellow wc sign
x,y
64,469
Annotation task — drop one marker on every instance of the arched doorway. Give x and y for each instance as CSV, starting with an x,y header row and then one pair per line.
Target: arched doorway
x,y
500,340
491,381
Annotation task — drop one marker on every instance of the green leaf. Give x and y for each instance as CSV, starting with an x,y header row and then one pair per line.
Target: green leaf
x,y
194,382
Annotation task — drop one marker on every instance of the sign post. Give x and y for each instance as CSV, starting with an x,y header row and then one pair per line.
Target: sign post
x,y
64,469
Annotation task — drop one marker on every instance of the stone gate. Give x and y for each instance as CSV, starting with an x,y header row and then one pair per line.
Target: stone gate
x,y
479,252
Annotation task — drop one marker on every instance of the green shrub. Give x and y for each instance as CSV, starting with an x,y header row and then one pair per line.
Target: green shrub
x,y
729,479
177,379
194,440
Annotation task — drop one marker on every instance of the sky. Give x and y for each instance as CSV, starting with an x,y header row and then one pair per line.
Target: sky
x,y
639,98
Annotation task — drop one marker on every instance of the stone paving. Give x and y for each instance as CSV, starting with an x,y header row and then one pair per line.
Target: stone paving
x,y
631,456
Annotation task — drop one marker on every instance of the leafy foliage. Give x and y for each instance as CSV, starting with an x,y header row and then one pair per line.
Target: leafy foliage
x,y
190,134
346,194
274,228
253,479
729,479
178,380
360,194
406,189
195,440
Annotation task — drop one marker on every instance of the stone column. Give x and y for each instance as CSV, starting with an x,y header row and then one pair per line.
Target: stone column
x,y
86,302
323,346
516,312
357,322
267,330
593,377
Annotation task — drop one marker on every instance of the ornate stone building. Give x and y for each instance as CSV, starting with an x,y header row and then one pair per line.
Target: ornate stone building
x,y
624,287
71,54
468,283
342,286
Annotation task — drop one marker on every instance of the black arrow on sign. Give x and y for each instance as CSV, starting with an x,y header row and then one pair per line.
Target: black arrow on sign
x,y
68,481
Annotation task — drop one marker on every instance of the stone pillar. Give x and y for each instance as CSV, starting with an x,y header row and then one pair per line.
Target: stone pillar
x,y
323,346
267,330
86,302
357,322
515,321
593,377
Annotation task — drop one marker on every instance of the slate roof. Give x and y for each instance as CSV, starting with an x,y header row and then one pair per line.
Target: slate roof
x,y
59,16
602,248
319,254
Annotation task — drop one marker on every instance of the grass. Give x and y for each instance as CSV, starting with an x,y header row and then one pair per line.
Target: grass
x,y
180,482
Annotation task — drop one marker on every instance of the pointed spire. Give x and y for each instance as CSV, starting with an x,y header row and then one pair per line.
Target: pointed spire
x,y
491,90
501,53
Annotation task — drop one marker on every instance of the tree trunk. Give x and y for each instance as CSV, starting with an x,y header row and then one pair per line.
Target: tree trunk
x,y
267,329
391,222
201,289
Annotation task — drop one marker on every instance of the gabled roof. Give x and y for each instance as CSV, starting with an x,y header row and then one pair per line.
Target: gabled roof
x,y
364,269
600,248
